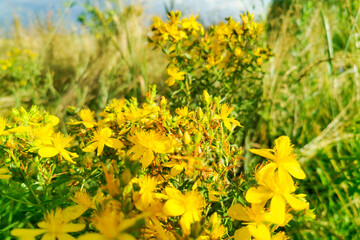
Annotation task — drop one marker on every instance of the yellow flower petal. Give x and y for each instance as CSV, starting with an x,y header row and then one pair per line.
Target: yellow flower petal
x,y
73,212
48,152
66,155
284,180
65,236
49,236
91,147
173,208
114,143
177,169
266,153
147,158
73,227
88,125
293,167
125,236
242,234
258,194
296,203
100,148
185,224
277,209
174,193
92,236
227,124
259,232
27,233
238,212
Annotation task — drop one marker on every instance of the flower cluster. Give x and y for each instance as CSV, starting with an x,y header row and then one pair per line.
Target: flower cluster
x,y
15,68
224,60
218,54
269,209
135,172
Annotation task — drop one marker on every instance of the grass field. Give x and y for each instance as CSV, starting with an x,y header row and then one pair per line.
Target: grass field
x,y
309,90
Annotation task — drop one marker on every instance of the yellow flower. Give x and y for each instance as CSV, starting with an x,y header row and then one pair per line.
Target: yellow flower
x,y
59,143
217,230
255,217
42,135
55,226
155,230
178,167
101,138
224,113
182,112
146,143
83,199
174,75
111,225
279,190
191,23
50,120
145,197
283,158
87,117
188,206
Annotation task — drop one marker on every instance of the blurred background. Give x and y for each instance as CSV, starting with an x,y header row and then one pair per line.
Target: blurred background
x,y
83,53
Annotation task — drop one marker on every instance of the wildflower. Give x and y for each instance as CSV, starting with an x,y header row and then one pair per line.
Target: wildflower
x,y
111,225
279,190
155,229
87,117
174,75
178,167
255,218
283,158
217,230
59,143
101,138
191,23
188,206
146,143
224,113
42,135
83,199
146,194
56,225
182,112
51,120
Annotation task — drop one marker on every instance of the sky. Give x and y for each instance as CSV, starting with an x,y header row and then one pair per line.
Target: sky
x,y
210,11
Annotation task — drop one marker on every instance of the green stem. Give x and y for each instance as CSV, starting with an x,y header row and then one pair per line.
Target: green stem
x,y
17,200
32,192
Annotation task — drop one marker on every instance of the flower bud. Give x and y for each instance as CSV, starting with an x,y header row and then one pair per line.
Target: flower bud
x,y
206,97
187,138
